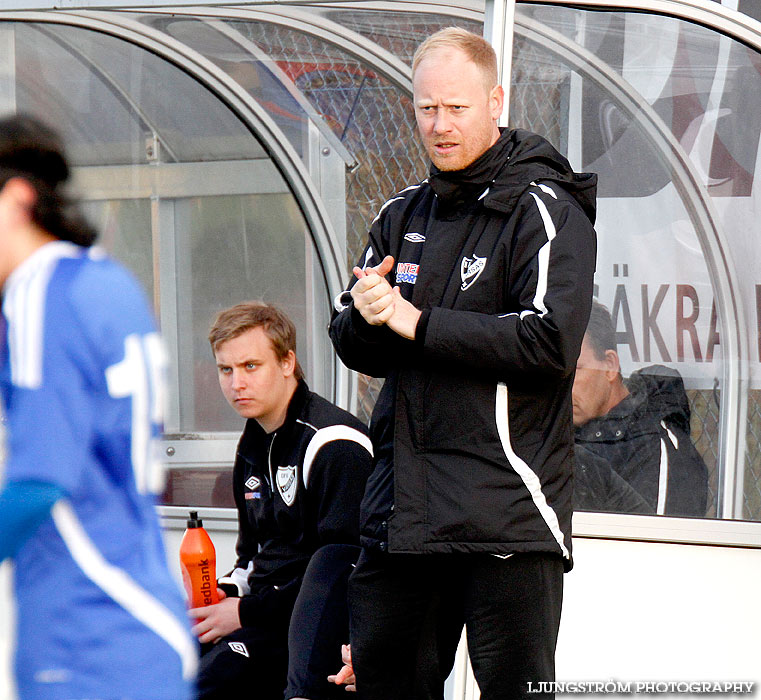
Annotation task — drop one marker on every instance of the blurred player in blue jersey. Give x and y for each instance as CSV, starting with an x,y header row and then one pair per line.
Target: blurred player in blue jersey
x,y
99,615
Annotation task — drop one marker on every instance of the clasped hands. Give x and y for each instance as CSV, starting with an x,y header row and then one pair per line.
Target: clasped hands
x,y
380,304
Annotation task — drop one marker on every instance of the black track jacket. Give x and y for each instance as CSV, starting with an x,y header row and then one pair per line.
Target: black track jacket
x,y
296,489
472,430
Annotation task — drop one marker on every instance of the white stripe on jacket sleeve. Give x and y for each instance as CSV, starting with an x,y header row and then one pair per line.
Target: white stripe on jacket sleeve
x,y
543,257
326,435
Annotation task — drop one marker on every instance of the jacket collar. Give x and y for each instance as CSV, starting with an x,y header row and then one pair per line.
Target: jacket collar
x,y
456,188
534,159
501,175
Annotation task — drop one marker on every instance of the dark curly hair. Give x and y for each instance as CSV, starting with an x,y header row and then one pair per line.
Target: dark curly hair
x,y
31,150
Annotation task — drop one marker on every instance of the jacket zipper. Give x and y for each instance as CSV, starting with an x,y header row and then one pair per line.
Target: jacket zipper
x,y
269,463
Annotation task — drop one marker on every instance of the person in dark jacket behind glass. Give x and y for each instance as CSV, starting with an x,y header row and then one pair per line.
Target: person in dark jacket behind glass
x,y
471,299
598,487
641,427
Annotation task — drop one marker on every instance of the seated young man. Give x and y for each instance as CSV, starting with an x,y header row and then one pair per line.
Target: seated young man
x,y
299,476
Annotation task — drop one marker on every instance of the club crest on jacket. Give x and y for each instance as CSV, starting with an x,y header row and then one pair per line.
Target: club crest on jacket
x,y
470,270
286,483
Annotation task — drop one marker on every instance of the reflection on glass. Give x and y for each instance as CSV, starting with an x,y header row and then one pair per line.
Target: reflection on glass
x,y
232,249
124,230
397,32
201,488
259,78
111,98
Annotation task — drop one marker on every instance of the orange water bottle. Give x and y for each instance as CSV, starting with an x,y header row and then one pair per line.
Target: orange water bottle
x,y
198,561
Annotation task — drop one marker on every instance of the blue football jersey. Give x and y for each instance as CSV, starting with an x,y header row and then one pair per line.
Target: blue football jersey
x,y
98,613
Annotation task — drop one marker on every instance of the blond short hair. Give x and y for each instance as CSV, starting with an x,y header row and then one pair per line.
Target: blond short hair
x,y
248,315
475,47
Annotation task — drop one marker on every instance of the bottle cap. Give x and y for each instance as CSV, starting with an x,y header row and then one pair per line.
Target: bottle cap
x,y
194,521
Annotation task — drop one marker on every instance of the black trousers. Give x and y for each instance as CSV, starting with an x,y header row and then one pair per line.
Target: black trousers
x,y
296,642
407,612
320,624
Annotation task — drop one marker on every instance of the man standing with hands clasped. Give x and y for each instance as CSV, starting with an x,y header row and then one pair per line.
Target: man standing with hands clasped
x,y
471,299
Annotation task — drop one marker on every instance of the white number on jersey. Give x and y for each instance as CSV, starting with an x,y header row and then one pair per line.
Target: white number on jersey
x,y
140,375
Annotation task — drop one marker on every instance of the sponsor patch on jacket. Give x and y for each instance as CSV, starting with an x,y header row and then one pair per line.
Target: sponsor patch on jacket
x,y
286,482
414,237
253,484
470,270
407,272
